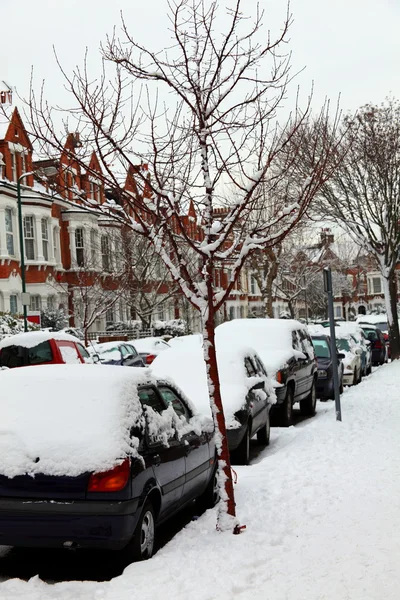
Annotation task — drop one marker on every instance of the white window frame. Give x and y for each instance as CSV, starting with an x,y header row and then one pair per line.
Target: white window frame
x,y
9,232
30,238
56,242
35,303
14,298
373,280
105,253
13,166
44,223
80,246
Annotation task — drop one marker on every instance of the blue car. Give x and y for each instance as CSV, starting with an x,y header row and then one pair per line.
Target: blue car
x,y
117,353
322,349
95,458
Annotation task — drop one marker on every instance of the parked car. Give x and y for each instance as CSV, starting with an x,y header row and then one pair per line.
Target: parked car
x,y
246,392
352,357
42,347
361,340
378,343
286,349
117,353
322,349
150,347
98,458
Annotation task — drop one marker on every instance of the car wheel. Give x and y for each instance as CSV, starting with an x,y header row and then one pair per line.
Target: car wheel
x,y
211,496
286,408
141,546
241,455
264,433
308,405
369,370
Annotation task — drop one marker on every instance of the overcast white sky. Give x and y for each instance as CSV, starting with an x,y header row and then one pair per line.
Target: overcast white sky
x,y
350,47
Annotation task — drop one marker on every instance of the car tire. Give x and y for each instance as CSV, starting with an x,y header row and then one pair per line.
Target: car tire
x,y
263,434
211,496
241,456
286,409
369,370
141,546
309,404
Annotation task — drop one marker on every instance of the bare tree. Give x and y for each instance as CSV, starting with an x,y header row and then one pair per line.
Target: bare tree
x,y
215,132
364,195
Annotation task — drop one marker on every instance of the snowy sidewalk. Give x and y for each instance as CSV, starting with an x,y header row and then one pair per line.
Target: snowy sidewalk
x,y
322,515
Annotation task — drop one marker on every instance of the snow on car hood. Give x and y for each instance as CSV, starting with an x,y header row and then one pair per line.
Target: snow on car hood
x,y
73,419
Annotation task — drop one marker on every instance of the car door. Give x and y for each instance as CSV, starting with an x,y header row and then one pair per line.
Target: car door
x,y
257,401
309,362
136,360
168,462
197,451
297,365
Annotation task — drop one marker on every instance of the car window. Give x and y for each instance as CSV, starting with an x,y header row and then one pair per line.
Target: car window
x,y
131,350
149,397
250,369
296,342
69,353
83,351
321,348
19,356
260,367
170,397
343,344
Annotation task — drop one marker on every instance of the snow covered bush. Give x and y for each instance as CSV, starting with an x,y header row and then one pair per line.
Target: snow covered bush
x,y
174,327
56,319
10,325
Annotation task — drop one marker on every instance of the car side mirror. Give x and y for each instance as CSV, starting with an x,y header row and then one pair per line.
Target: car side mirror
x,y
95,358
341,355
127,357
260,385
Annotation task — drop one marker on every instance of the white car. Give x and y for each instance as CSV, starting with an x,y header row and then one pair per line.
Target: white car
x,y
361,340
352,357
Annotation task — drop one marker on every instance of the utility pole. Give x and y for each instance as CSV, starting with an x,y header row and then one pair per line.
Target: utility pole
x,y
329,290
25,298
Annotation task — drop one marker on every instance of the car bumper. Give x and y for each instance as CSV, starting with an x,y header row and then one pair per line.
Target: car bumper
x,y
51,524
348,379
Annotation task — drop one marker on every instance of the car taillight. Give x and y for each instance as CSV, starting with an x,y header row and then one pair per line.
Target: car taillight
x,y
113,480
386,336
378,345
279,376
150,358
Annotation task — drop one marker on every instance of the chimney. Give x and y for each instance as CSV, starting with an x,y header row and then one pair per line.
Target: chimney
x,y
5,94
327,237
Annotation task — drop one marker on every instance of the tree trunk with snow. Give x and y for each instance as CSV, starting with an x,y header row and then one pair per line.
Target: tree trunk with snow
x,y
390,294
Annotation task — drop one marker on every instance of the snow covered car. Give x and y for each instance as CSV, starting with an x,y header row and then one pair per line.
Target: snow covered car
x,y
360,338
352,357
116,353
150,347
322,349
246,392
286,350
97,458
42,347
379,345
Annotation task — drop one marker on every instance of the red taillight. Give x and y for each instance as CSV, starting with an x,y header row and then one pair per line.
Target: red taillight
x,y
378,345
150,358
113,480
279,377
386,336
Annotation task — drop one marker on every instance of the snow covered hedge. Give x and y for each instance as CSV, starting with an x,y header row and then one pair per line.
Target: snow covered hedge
x,y
173,327
10,324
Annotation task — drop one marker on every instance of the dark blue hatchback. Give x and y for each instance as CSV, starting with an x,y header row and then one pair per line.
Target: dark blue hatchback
x,y
118,508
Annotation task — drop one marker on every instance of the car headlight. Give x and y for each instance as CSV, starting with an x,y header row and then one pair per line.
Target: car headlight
x,y
322,373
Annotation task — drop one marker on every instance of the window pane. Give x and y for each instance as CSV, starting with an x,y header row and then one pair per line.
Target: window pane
x,y
13,304
170,397
29,236
148,397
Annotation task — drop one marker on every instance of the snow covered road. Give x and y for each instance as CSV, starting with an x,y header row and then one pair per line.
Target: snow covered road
x,y
322,514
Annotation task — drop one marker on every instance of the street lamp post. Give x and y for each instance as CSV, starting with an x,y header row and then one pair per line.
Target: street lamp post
x,y
24,297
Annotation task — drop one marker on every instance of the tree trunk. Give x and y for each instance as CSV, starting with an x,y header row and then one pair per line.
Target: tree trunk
x,y
271,276
227,513
390,290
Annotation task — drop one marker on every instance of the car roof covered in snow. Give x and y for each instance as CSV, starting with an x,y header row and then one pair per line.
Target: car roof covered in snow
x,y
33,338
73,420
149,344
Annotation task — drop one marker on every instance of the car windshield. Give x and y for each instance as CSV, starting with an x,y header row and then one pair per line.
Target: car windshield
x,y
382,326
19,356
321,348
343,344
